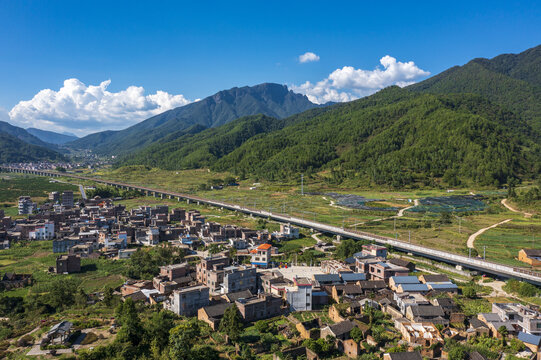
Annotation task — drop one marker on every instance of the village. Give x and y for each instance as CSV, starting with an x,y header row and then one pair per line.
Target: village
x,y
374,301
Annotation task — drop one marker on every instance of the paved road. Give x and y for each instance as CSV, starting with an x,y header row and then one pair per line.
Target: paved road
x,y
472,237
82,190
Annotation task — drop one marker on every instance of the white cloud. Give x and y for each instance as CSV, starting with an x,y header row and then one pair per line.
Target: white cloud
x,y
83,109
308,57
348,83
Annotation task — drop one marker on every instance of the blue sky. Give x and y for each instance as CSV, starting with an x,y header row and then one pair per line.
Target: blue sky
x,y
194,49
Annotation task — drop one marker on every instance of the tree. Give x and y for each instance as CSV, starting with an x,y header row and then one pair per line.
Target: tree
x,y
502,330
81,298
108,296
348,247
246,353
131,330
456,353
61,293
158,327
469,292
182,338
261,326
204,352
231,323
357,334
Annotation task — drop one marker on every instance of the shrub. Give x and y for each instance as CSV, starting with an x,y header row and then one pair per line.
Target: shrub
x,y
25,341
89,338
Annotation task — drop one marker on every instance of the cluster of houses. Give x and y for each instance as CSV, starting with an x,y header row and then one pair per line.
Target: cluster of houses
x,y
422,308
98,227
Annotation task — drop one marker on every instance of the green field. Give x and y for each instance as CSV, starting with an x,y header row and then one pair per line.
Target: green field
x,y
425,229
13,185
36,257
504,242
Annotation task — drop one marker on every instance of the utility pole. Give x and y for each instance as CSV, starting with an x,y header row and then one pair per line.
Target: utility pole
x,y
469,252
302,184
409,236
484,252
459,225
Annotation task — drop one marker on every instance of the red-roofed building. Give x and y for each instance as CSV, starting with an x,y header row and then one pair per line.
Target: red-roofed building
x,y
261,256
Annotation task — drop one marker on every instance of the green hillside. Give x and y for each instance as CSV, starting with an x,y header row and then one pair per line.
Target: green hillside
x,y
512,80
51,137
13,149
198,147
22,134
398,138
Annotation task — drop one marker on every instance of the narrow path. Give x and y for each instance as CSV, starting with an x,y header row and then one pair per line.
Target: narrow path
x,y
82,190
472,237
314,236
401,212
510,208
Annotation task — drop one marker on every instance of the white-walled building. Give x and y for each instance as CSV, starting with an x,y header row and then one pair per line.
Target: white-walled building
x,y
42,232
299,296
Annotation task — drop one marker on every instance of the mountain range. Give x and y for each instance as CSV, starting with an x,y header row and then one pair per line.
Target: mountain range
x,y
477,123
268,99
13,149
51,137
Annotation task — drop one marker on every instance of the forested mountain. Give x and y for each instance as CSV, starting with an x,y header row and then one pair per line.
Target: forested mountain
x,y
512,80
395,137
268,99
21,134
200,147
51,137
398,137
12,149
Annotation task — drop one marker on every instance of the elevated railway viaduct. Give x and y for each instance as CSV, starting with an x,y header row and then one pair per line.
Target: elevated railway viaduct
x,y
477,264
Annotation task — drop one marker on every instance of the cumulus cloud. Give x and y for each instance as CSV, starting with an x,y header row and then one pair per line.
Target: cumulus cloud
x,y
348,83
308,57
83,109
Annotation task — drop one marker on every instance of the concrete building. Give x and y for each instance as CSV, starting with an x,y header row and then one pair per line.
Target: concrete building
x,y
374,250
54,197
239,278
261,256
384,271
262,306
42,232
210,272
405,300
26,206
530,256
172,272
289,231
67,198
299,296
68,264
187,301
521,316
